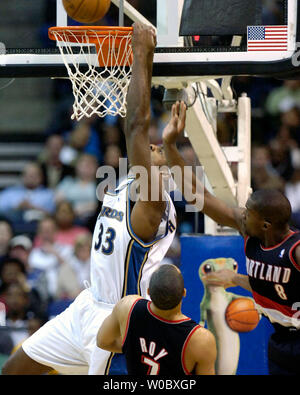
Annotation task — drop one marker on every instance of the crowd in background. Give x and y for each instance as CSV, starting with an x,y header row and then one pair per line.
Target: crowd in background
x,y
46,222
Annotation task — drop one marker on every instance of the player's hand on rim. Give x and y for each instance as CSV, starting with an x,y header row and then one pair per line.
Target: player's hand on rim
x,y
143,37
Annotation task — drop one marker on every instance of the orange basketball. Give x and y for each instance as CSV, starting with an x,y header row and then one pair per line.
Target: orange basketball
x,y
86,11
241,315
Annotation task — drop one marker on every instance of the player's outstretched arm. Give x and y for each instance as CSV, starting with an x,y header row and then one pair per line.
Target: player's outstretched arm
x,y
210,205
227,278
112,331
147,212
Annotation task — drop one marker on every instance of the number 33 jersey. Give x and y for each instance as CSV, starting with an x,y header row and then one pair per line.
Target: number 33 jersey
x,y
121,263
274,277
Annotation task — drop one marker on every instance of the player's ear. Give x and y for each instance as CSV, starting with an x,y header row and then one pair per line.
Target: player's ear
x,y
148,292
266,225
184,293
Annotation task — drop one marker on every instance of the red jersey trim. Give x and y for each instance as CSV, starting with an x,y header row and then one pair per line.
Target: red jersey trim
x,y
164,320
270,304
184,349
279,244
245,243
128,321
292,259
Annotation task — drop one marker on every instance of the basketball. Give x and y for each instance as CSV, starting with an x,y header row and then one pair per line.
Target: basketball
x,y
86,11
241,315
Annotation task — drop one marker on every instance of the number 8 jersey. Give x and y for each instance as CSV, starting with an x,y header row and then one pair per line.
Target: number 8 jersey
x,y
274,277
121,263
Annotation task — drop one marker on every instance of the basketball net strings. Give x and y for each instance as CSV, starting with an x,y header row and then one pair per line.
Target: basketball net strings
x,y
100,91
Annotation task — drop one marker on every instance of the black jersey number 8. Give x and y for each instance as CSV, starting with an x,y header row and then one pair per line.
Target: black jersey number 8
x,y
108,245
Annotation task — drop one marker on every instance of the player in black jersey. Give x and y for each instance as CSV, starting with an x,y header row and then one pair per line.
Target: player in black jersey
x,y
155,336
272,255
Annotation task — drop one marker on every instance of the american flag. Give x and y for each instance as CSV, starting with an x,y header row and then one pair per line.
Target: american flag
x,y
267,38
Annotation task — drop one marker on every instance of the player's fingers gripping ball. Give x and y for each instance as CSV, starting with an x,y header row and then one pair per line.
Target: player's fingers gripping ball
x,y
241,315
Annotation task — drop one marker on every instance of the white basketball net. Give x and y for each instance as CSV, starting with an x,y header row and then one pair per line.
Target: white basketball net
x,y
97,90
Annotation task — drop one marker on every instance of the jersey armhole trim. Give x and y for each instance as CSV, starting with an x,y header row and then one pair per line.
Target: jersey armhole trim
x,y
128,320
292,259
184,349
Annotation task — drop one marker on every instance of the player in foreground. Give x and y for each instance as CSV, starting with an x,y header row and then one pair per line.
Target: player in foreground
x,y
272,257
155,336
130,240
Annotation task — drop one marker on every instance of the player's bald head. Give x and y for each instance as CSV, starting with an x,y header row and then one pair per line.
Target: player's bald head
x,y
272,206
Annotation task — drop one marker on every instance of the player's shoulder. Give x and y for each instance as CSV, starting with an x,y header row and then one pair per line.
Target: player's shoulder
x,y
201,341
125,305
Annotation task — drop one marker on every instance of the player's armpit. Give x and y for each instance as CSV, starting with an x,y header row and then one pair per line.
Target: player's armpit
x,y
145,219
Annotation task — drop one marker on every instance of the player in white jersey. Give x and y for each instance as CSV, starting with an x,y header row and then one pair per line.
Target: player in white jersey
x,y
121,262
130,240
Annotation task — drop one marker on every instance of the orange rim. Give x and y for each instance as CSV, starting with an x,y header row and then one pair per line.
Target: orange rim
x,y
99,36
89,31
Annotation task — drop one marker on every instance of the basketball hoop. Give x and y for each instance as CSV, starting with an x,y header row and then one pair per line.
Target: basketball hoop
x,y
98,60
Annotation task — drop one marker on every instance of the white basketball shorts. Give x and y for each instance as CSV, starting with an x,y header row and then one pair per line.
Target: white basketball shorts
x,y
67,343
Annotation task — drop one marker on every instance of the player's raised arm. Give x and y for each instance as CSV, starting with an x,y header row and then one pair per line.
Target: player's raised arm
x,y
211,206
136,134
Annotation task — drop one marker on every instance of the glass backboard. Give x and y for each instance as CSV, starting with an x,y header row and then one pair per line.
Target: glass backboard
x,y
26,51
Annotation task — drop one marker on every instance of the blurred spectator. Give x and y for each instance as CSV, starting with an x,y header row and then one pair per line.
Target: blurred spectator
x,y
281,159
83,138
73,274
52,167
66,230
20,248
13,271
264,175
6,344
17,303
6,233
81,189
28,201
283,96
290,120
112,156
50,254
292,191
286,139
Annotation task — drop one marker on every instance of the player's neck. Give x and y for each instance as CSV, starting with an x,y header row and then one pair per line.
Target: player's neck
x,y
170,315
276,237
